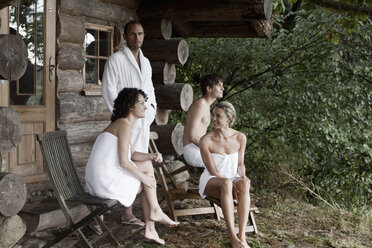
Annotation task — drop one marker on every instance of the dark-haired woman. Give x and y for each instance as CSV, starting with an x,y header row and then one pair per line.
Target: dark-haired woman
x,y
115,171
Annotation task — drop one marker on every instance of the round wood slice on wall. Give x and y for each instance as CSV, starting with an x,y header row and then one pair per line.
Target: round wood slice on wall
x,y
13,54
10,129
13,194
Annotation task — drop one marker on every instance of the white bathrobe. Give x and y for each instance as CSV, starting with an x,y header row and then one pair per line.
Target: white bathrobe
x,y
122,71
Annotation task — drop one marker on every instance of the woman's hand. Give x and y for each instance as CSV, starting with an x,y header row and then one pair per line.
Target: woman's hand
x,y
148,180
157,157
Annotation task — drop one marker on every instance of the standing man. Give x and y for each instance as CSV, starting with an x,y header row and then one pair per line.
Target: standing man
x,y
199,118
128,68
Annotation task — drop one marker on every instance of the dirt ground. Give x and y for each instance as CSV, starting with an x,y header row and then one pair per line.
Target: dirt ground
x,y
282,221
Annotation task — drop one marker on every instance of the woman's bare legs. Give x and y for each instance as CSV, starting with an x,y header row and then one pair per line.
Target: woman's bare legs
x,y
222,189
244,202
156,213
150,231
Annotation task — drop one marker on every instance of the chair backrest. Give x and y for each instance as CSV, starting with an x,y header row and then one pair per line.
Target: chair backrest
x,y
59,164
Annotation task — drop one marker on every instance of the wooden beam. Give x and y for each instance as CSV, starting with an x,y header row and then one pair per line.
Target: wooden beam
x,y
129,4
170,138
207,10
248,29
174,96
172,51
71,29
74,108
98,10
163,72
70,56
158,28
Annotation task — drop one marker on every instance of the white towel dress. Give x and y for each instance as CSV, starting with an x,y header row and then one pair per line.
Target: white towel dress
x,y
105,177
226,165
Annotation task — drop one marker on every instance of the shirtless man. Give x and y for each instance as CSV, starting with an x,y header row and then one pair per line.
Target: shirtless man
x,y
198,119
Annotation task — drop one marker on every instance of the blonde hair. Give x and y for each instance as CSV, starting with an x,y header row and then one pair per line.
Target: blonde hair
x,y
229,110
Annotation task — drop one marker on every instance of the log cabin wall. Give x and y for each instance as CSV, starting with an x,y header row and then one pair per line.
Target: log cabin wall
x,y
82,111
83,116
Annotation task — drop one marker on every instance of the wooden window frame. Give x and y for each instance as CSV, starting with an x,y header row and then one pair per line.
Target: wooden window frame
x,y
95,89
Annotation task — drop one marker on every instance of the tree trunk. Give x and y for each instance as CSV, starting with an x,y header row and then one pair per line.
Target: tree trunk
x,y
174,96
207,10
170,140
172,51
13,193
70,56
13,54
75,108
98,10
69,81
163,72
162,116
12,230
10,129
71,29
158,28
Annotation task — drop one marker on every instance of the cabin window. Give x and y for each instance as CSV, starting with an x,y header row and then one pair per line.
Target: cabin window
x,y
98,46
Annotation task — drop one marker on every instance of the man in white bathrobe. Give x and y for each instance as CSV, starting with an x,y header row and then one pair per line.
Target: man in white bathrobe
x,y
128,68
198,119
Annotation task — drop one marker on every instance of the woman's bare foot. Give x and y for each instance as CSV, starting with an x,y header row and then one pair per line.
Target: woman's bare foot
x,y
153,235
237,243
243,240
159,216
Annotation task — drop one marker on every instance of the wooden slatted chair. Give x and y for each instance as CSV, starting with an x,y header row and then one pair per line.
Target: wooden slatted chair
x,y
69,190
172,192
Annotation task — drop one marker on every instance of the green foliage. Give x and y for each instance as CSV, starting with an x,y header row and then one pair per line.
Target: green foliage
x,y
303,99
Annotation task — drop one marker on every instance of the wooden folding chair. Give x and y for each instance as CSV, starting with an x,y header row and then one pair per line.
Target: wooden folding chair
x,y
69,190
172,192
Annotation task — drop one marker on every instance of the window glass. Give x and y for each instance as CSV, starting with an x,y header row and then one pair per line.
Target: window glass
x,y
27,22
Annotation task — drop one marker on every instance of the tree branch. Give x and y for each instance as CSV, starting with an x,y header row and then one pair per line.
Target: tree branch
x,y
330,4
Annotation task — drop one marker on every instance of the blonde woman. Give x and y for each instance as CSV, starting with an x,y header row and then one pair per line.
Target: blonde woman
x,y
224,178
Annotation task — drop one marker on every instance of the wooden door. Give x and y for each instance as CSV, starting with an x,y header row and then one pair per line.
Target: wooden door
x,y
33,95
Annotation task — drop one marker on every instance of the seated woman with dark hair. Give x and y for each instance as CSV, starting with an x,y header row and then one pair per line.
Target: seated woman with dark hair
x,y
115,171
224,178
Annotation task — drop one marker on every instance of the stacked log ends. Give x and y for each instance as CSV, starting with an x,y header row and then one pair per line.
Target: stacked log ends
x,y
172,51
10,129
13,54
158,28
71,56
13,194
174,96
163,72
71,29
162,116
12,230
263,27
170,140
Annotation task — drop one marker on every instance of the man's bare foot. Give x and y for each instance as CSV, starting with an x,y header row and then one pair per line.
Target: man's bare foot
x,y
153,235
243,240
159,216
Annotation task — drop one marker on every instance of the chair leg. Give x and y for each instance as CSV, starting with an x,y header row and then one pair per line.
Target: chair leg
x,y
253,222
104,227
84,241
217,210
164,185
